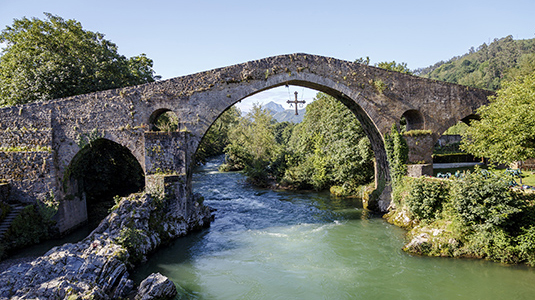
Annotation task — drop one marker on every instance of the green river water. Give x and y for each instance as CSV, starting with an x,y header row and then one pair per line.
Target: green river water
x,y
268,244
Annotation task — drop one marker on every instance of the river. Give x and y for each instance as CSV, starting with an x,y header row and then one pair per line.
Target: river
x,y
266,244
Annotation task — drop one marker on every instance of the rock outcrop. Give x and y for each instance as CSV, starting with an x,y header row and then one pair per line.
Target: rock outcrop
x,y
156,286
97,267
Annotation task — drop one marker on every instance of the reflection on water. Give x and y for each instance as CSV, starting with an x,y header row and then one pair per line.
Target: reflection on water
x,y
284,245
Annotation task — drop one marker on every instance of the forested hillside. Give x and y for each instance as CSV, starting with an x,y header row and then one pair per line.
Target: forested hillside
x,y
486,66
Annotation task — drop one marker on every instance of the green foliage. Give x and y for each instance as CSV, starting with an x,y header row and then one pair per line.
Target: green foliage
x,y
85,139
526,244
487,66
217,138
457,129
426,198
166,122
417,132
483,199
37,148
253,145
397,153
329,148
28,228
479,216
379,85
506,131
5,209
56,58
131,239
393,66
493,243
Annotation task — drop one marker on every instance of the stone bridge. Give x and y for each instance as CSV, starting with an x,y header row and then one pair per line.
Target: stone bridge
x,y
42,145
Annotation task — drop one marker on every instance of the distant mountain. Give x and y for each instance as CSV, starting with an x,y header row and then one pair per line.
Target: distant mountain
x,y
274,107
281,115
289,115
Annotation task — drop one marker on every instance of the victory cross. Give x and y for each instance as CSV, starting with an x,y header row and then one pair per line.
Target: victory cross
x,y
296,102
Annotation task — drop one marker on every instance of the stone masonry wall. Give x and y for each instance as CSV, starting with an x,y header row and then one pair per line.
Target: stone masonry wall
x,y
28,173
25,139
420,148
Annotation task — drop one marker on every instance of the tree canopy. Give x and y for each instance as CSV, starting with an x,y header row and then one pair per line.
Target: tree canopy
x,y
55,58
506,131
328,149
487,66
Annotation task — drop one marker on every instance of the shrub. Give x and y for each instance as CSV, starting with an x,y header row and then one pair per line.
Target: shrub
x,y
482,199
492,243
28,228
426,198
132,239
526,245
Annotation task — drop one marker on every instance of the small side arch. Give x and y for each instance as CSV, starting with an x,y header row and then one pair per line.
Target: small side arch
x,y
163,119
97,173
414,120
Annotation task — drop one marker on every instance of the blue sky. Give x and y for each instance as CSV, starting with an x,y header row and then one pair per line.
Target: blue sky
x,y
185,37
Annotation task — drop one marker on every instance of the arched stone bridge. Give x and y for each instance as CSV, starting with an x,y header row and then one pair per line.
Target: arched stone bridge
x,y
40,141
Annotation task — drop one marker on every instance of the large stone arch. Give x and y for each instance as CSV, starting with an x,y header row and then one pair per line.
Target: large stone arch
x,y
347,96
99,171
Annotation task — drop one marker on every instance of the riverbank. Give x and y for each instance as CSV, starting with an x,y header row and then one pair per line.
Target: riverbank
x,y
98,265
476,216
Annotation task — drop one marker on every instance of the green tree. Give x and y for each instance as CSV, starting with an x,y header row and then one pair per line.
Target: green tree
x,y
506,131
55,58
329,148
217,137
487,66
253,145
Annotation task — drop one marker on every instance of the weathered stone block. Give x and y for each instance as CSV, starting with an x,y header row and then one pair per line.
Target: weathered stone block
x,y
174,188
419,170
167,153
420,148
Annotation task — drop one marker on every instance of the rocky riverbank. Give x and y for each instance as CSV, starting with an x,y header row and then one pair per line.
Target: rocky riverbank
x,y
97,267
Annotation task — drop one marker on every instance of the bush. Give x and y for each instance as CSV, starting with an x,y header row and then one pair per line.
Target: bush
x,y
526,245
492,243
483,199
28,228
426,198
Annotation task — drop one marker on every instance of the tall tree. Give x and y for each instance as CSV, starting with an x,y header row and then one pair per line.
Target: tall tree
x,y
253,145
506,131
217,137
329,148
55,58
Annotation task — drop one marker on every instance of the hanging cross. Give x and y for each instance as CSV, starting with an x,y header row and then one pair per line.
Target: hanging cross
x,y
295,102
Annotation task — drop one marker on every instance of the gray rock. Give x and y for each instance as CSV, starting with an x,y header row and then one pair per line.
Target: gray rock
x,y
156,286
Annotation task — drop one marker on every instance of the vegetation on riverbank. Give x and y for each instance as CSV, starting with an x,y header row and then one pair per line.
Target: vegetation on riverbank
x,y
328,150
477,215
